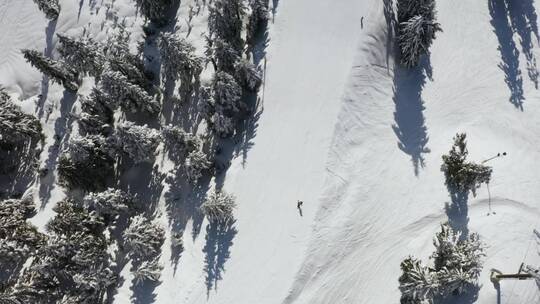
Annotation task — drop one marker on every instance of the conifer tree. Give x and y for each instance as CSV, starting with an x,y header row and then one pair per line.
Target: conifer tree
x,y
417,27
179,61
247,75
222,54
196,162
227,94
143,239
109,203
219,207
50,8
415,37
258,17
57,70
225,21
179,143
460,174
87,163
15,126
138,142
83,54
457,267
147,271
155,10
131,96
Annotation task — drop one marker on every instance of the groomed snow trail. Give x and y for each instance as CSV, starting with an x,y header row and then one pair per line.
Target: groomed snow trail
x,y
309,56
386,196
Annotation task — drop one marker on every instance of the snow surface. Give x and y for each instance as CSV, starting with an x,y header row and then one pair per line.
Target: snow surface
x,y
358,140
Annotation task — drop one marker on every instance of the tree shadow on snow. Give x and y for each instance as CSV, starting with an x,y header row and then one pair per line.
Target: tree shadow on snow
x,y
49,46
524,21
182,206
458,211
143,292
469,296
219,237
62,132
410,126
507,17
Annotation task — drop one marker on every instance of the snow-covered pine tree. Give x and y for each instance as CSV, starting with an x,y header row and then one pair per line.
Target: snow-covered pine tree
x,y
221,124
155,10
138,142
409,8
109,203
147,271
131,97
16,126
117,44
417,283
87,163
97,111
50,8
84,54
219,207
179,143
415,37
460,174
73,265
225,21
57,70
457,260
248,75
143,239
18,237
457,267
227,93
257,19
179,61
222,54
196,163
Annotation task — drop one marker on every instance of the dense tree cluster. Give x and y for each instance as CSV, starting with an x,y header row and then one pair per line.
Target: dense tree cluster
x,y
58,71
18,238
132,97
258,17
110,203
416,30
50,8
225,21
16,127
457,266
87,163
226,104
180,62
143,240
460,174
83,54
97,113
73,265
179,143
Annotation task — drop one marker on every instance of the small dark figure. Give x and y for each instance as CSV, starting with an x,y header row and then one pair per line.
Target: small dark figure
x,y
299,204
362,22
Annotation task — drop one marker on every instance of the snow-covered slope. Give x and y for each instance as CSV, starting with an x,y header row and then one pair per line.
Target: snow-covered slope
x,y
340,128
386,196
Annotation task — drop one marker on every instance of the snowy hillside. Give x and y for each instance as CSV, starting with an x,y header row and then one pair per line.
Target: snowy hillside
x,y
337,123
